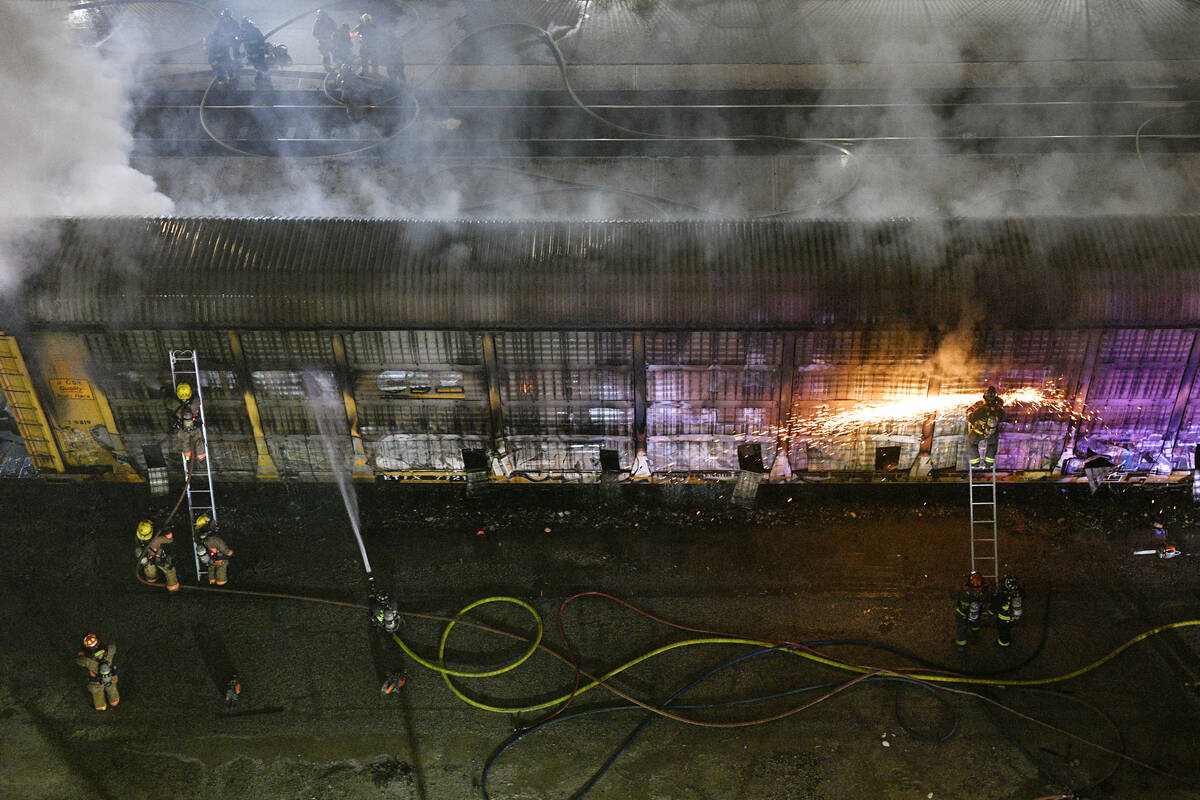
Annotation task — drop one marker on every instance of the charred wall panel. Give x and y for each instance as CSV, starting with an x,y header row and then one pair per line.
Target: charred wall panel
x,y
706,393
1134,390
843,369
566,395
134,371
1031,439
421,397
277,362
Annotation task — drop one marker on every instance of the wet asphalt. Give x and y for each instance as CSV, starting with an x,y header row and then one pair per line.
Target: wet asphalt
x,y
875,564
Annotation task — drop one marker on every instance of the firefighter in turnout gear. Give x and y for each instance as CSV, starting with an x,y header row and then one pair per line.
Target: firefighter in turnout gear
x,y
221,46
97,659
341,47
388,658
212,551
367,33
323,30
185,422
968,608
983,424
152,555
1007,605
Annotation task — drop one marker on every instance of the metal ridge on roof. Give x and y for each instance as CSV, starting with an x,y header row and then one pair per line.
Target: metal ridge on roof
x,y
206,272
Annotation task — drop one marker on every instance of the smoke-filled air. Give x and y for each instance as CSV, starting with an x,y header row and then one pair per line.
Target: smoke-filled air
x,y
65,125
71,125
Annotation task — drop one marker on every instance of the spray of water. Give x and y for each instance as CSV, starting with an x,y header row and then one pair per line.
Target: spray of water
x,y
325,399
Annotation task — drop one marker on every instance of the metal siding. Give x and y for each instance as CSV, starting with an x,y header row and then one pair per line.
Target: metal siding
x,y
365,349
708,392
901,274
564,385
399,452
533,454
133,369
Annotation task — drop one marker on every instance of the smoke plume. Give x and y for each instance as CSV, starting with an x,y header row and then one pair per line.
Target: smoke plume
x,y
64,127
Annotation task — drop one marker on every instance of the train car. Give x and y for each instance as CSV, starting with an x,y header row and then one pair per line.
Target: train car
x,y
558,351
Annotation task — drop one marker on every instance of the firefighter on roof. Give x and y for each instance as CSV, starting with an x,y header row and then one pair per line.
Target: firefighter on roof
x,y
323,30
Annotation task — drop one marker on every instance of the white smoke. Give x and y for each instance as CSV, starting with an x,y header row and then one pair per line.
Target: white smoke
x,y
64,126
402,178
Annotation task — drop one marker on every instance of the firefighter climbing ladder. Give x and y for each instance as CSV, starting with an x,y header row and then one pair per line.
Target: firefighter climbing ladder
x,y
200,497
984,551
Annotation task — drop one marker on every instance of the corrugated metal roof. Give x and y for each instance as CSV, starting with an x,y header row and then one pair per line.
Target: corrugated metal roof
x,y
762,274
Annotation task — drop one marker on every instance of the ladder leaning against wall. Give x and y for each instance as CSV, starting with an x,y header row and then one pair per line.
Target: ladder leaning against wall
x,y
985,556
186,369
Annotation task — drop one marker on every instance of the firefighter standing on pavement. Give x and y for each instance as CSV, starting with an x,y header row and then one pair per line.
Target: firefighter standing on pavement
x,y
212,551
1007,605
968,608
385,621
97,659
983,424
152,555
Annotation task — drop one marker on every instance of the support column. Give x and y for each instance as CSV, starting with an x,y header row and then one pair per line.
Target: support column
x,y
502,465
781,467
345,379
641,461
266,469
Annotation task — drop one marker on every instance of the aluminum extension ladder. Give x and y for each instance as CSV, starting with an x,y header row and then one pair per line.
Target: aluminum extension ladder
x,y
985,555
200,497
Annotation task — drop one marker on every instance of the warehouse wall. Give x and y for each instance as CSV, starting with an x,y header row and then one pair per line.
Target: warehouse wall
x,y
553,399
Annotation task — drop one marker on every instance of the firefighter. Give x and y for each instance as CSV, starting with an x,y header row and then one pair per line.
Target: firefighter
x,y
352,91
368,45
152,555
221,61
224,36
983,423
212,551
385,621
97,659
1007,605
254,46
340,46
185,422
323,31
968,608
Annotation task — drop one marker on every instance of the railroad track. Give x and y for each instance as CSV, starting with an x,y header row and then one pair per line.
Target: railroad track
x,y
307,123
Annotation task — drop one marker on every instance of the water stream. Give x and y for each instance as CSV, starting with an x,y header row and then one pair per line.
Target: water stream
x,y
325,400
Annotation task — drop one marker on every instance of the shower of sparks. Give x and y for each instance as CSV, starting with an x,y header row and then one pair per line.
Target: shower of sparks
x,y
827,422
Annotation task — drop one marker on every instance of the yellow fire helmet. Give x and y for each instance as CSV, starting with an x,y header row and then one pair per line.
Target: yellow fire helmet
x,y
202,522
184,391
145,530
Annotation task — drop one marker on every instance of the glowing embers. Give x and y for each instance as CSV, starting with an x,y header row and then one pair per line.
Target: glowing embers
x,y
830,422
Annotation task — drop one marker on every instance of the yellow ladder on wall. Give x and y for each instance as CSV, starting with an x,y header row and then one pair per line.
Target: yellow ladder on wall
x,y
26,410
